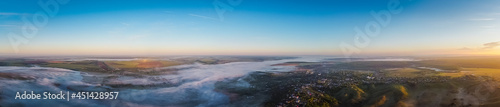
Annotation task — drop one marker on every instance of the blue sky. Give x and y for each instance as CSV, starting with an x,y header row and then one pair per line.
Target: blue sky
x,y
253,27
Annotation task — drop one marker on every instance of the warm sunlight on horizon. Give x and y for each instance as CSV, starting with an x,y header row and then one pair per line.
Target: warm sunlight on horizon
x,y
196,28
250,53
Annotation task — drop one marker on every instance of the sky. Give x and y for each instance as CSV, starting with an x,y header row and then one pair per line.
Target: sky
x,y
248,27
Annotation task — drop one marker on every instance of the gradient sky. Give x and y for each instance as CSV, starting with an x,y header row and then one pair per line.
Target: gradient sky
x,y
254,27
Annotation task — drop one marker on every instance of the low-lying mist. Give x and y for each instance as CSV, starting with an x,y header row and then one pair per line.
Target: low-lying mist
x,y
194,84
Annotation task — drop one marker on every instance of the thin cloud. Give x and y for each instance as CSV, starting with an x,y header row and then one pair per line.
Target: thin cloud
x,y
491,45
201,16
126,24
482,19
120,29
136,37
485,46
489,13
11,14
492,26
8,26
464,49
6,15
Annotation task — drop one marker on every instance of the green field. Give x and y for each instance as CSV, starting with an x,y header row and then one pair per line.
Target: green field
x,y
144,65
93,66
495,73
141,64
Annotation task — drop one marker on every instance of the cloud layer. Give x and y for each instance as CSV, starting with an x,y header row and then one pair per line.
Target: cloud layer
x,y
491,45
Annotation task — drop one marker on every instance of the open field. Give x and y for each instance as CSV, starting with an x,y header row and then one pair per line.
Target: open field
x,y
454,63
94,66
141,64
483,72
429,83
408,72
228,59
495,73
353,89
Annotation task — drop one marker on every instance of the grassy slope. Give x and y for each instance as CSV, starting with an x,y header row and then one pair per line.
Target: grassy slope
x,y
495,73
141,64
464,62
92,66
